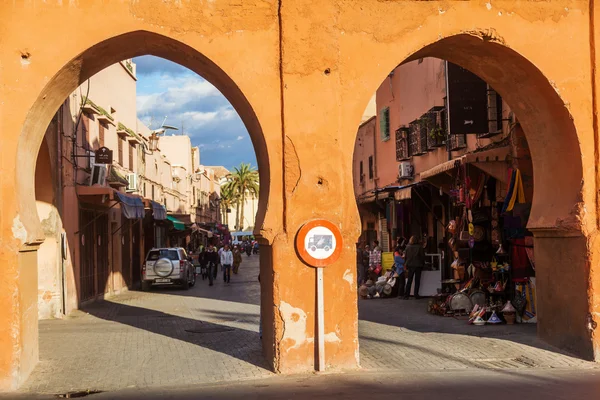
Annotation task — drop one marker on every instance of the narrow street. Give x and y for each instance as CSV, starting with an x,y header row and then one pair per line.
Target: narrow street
x,y
170,338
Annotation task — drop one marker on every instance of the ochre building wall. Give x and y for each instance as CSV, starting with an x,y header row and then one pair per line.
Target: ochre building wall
x,y
301,73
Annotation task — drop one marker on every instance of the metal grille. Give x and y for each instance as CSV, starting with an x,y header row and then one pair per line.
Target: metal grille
x,y
87,287
417,137
413,139
458,142
402,144
435,120
102,267
494,113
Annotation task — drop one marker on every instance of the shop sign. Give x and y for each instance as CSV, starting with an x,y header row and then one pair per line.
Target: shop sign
x,y
104,156
467,102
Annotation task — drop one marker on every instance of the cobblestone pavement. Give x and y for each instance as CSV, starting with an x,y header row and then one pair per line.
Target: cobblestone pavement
x,y
401,334
175,338
166,337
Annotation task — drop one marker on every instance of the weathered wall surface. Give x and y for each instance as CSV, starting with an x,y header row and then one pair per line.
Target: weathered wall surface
x,y
310,80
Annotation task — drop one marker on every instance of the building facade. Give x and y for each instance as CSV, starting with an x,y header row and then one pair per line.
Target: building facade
x,y
102,217
442,148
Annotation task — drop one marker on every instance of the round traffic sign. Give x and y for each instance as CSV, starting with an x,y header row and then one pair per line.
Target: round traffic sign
x,y
319,243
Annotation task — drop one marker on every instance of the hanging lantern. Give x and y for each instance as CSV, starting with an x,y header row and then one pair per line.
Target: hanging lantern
x,y
153,142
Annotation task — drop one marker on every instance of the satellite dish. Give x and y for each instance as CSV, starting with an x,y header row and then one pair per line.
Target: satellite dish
x,y
169,127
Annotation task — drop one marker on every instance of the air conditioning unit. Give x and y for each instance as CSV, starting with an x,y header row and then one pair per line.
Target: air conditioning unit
x,y
132,179
98,177
406,170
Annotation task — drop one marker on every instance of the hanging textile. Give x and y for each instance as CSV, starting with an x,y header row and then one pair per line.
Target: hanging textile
x,y
515,191
132,207
158,211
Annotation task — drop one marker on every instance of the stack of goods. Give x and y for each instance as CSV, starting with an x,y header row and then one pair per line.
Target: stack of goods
x,y
509,313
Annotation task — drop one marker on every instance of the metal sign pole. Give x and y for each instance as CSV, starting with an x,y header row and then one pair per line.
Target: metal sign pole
x,y
320,320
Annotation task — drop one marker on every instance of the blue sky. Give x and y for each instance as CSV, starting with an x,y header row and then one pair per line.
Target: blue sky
x,y
168,89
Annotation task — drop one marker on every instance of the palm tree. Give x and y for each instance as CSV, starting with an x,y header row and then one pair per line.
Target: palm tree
x,y
229,198
245,181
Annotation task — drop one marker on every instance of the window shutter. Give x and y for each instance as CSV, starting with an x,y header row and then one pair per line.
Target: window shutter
x,y
384,124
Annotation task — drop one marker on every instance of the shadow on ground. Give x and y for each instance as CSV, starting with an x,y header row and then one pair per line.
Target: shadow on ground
x,y
542,385
412,315
214,331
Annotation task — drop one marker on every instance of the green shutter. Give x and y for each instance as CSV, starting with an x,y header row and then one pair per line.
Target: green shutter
x,y
384,123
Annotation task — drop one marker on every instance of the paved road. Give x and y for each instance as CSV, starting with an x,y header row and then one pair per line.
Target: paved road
x,y
173,338
539,384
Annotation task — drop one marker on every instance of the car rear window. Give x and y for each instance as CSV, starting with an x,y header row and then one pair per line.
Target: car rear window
x,y
156,254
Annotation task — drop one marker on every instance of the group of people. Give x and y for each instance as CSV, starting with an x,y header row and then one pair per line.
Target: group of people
x,y
409,260
211,257
250,247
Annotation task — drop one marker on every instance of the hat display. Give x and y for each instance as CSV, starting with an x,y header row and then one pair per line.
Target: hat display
x,y
508,308
369,283
494,319
387,289
479,321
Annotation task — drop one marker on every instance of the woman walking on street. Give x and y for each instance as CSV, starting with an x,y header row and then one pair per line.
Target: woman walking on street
x,y
415,260
237,259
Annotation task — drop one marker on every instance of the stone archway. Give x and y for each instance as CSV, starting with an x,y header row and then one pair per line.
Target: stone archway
x,y
558,220
28,231
308,69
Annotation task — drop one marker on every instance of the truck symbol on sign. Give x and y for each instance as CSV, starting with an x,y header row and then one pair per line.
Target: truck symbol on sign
x,y
320,242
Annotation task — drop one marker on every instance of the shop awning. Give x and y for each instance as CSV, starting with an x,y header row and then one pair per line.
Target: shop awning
x,y
158,211
131,206
441,168
498,154
180,226
403,194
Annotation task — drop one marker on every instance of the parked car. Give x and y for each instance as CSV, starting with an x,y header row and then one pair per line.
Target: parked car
x,y
168,266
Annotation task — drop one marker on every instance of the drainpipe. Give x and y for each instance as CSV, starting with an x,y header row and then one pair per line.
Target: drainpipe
x,y
448,146
59,207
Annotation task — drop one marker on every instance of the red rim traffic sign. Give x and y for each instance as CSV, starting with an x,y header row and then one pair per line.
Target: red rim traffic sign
x,y
319,243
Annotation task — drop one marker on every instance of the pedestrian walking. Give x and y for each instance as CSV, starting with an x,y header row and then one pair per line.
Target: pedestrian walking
x,y
212,260
399,268
237,259
226,262
415,260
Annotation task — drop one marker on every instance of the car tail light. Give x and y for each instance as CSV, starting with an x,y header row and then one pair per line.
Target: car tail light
x,y
181,264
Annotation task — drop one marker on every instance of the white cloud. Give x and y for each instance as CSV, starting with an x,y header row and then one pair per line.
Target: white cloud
x,y
207,116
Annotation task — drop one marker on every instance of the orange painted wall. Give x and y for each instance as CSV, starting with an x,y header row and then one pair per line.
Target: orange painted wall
x,y
300,74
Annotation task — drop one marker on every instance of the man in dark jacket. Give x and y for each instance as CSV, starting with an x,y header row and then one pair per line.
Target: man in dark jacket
x,y
212,260
415,260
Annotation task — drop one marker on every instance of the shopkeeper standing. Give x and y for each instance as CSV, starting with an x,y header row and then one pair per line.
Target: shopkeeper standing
x,y
415,261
